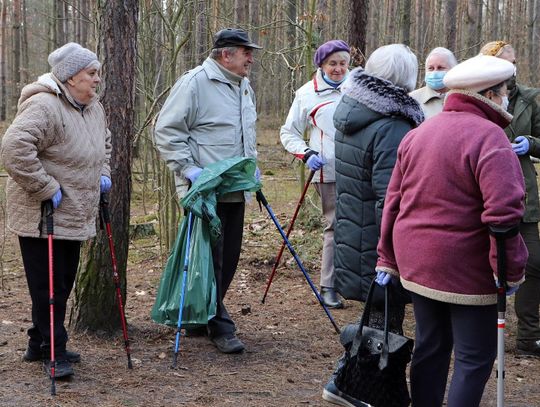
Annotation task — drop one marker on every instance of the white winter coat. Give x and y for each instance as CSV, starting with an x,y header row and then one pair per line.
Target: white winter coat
x,y
313,110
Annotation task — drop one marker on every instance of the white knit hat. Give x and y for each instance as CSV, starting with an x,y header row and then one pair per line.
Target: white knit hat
x,y
479,73
70,59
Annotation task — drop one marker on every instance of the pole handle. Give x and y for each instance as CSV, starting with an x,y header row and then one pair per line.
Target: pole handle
x,y
104,205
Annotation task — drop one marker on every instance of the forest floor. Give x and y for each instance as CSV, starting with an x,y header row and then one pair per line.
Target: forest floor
x,y
291,346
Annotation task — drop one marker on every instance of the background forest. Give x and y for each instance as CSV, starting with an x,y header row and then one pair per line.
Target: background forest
x,y
145,45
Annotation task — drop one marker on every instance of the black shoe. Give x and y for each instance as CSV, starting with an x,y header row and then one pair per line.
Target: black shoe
x,y
228,344
32,355
529,348
330,298
63,368
333,395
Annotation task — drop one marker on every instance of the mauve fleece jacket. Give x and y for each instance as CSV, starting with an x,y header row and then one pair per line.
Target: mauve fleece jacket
x,y
455,174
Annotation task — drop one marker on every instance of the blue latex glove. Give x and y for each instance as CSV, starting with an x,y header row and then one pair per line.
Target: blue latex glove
x,y
520,145
57,198
105,184
512,290
257,174
509,290
193,174
315,162
383,278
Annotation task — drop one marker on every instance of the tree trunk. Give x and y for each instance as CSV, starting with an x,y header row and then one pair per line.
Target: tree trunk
x,y
241,12
472,21
406,22
60,29
16,35
254,13
24,45
95,303
450,24
535,57
358,20
3,45
201,32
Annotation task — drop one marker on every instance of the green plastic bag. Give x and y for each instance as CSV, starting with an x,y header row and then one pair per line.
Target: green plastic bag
x,y
200,290
220,178
231,175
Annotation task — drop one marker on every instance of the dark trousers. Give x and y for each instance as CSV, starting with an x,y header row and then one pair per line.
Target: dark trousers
x,y
440,327
36,266
527,300
225,255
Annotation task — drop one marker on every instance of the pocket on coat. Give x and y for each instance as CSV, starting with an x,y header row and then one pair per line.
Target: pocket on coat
x,y
216,146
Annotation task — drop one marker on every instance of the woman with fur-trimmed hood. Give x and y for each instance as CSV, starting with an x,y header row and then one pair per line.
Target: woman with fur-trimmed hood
x,y
373,116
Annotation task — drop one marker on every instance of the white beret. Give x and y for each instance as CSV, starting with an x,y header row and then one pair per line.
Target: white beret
x,y
479,73
70,59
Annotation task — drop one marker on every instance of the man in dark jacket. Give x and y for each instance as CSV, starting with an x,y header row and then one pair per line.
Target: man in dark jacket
x,y
524,133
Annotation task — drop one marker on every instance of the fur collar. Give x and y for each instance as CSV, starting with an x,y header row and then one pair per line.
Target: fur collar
x,y
456,99
382,96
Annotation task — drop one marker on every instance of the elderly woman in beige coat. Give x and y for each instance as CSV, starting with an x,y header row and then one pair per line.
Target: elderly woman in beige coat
x,y
57,149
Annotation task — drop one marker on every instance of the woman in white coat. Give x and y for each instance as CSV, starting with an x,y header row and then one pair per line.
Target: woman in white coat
x,y
312,111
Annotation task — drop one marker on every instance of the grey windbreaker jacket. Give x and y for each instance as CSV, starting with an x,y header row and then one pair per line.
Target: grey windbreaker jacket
x,y
205,120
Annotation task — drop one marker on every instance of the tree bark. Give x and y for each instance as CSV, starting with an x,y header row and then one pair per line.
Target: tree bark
x,y
16,35
241,12
406,22
473,23
201,32
60,27
3,45
95,302
25,63
450,24
358,20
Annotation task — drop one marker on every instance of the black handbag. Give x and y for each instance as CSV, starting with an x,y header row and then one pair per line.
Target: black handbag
x,y
375,362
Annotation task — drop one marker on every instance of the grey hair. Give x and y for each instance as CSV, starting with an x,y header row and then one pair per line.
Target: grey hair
x,y
395,63
216,52
340,54
445,52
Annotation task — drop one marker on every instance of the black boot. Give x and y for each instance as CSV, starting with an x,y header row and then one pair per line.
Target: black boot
x,y
62,368
528,348
330,298
32,355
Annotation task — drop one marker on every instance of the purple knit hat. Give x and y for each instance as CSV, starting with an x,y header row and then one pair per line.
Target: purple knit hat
x,y
328,48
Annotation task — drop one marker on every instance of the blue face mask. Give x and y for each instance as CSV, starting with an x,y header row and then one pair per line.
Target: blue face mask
x,y
334,83
434,79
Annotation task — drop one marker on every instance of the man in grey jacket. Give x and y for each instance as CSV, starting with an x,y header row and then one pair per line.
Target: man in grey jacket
x,y
210,116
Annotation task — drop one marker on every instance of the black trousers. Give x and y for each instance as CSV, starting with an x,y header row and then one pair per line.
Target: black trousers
x,y
471,331
225,255
36,266
527,299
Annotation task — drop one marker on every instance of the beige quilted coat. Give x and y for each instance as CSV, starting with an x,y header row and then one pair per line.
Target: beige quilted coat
x,y
51,144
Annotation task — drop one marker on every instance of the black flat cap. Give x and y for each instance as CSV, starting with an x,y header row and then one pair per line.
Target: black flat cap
x,y
231,37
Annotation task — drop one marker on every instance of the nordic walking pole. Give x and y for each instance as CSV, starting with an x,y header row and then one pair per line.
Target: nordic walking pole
x,y
48,210
501,233
291,225
182,291
106,217
262,199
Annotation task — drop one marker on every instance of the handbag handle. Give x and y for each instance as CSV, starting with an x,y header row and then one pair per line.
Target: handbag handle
x,y
383,362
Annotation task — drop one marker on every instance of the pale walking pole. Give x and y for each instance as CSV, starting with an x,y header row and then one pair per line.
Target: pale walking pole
x,y
501,233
